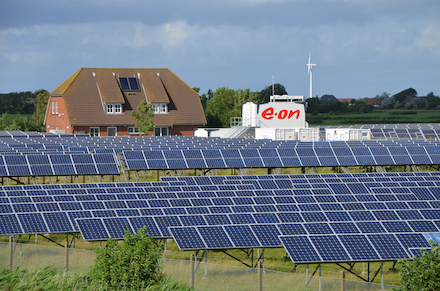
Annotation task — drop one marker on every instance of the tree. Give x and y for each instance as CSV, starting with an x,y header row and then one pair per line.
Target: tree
x,y
219,107
134,264
40,104
401,96
422,273
227,103
278,89
432,101
144,115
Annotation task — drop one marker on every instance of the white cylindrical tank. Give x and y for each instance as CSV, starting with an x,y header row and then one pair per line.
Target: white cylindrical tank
x,y
249,114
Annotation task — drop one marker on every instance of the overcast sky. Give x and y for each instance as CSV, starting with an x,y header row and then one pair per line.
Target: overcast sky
x,y
361,47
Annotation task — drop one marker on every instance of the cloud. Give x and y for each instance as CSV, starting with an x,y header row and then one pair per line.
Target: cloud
x,y
429,37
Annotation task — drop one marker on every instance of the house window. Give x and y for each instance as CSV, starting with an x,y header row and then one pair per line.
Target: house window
x,y
163,108
133,129
161,131
54,107
109,108
160,108
94,131
113,108
129,84
112,131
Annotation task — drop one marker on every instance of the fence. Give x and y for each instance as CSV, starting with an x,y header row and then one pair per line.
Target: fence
x,y
206,276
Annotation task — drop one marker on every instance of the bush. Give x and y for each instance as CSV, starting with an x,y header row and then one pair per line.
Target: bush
x,y
133,264
422,273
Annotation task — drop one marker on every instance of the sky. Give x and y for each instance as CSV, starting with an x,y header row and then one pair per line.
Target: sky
x,y
361,48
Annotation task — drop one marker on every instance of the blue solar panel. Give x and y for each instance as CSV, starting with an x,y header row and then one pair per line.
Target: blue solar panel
x,y
140,222
387,247
215,237
241,236
32,223
300,249
330,249
359,248
187,238
92,229
9,224
267,235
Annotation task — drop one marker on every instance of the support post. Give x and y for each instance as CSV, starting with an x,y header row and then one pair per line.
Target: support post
x,y
319,277
10,251
342,281
164,249
260,277
381,275
66,250
307,274
206,263
192,271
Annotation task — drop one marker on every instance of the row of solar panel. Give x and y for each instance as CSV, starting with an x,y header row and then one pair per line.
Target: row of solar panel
x,y
261,158
261,187
79,145
354,248
311,178
49,165
160,226
290,222
220,204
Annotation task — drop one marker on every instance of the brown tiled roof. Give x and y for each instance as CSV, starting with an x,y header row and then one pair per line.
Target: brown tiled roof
x,y
86,92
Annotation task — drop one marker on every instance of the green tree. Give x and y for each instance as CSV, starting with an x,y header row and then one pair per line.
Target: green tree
x,y
432,101
133,264
12,122
422,273
143,116
401,96
219,107
278,89
40,105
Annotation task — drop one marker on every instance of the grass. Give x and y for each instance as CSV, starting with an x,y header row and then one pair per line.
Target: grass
x,y
53,278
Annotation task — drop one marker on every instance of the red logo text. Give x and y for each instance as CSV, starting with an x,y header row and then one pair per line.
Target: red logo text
x,y
270,113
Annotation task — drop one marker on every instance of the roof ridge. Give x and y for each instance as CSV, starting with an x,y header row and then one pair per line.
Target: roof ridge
x,y
60,90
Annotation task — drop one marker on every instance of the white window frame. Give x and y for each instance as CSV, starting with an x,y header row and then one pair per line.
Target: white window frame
x,y
54,107
113,108
132,130
160,108
163,108
96,131
109,108
116,130
161,131
118,108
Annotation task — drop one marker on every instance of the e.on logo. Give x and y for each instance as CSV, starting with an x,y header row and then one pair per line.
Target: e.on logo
x,y
270,113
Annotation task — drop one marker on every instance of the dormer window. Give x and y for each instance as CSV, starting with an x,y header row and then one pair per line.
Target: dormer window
x,y
113,108
129,84
160,108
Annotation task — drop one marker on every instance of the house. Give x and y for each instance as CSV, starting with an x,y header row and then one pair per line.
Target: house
x,y
99,102
326,99
374,102
345,100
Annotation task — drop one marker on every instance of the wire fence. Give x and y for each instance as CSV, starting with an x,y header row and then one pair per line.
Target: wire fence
x,y
207,275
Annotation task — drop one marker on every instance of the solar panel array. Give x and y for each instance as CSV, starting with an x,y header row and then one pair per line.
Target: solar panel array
x,y
390,213
57,164
326,154
428,132
160,153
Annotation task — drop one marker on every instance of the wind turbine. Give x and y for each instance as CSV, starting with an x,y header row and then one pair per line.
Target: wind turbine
x,y
310,66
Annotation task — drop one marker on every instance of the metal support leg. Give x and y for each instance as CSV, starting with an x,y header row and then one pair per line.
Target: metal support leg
x,y
206,263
